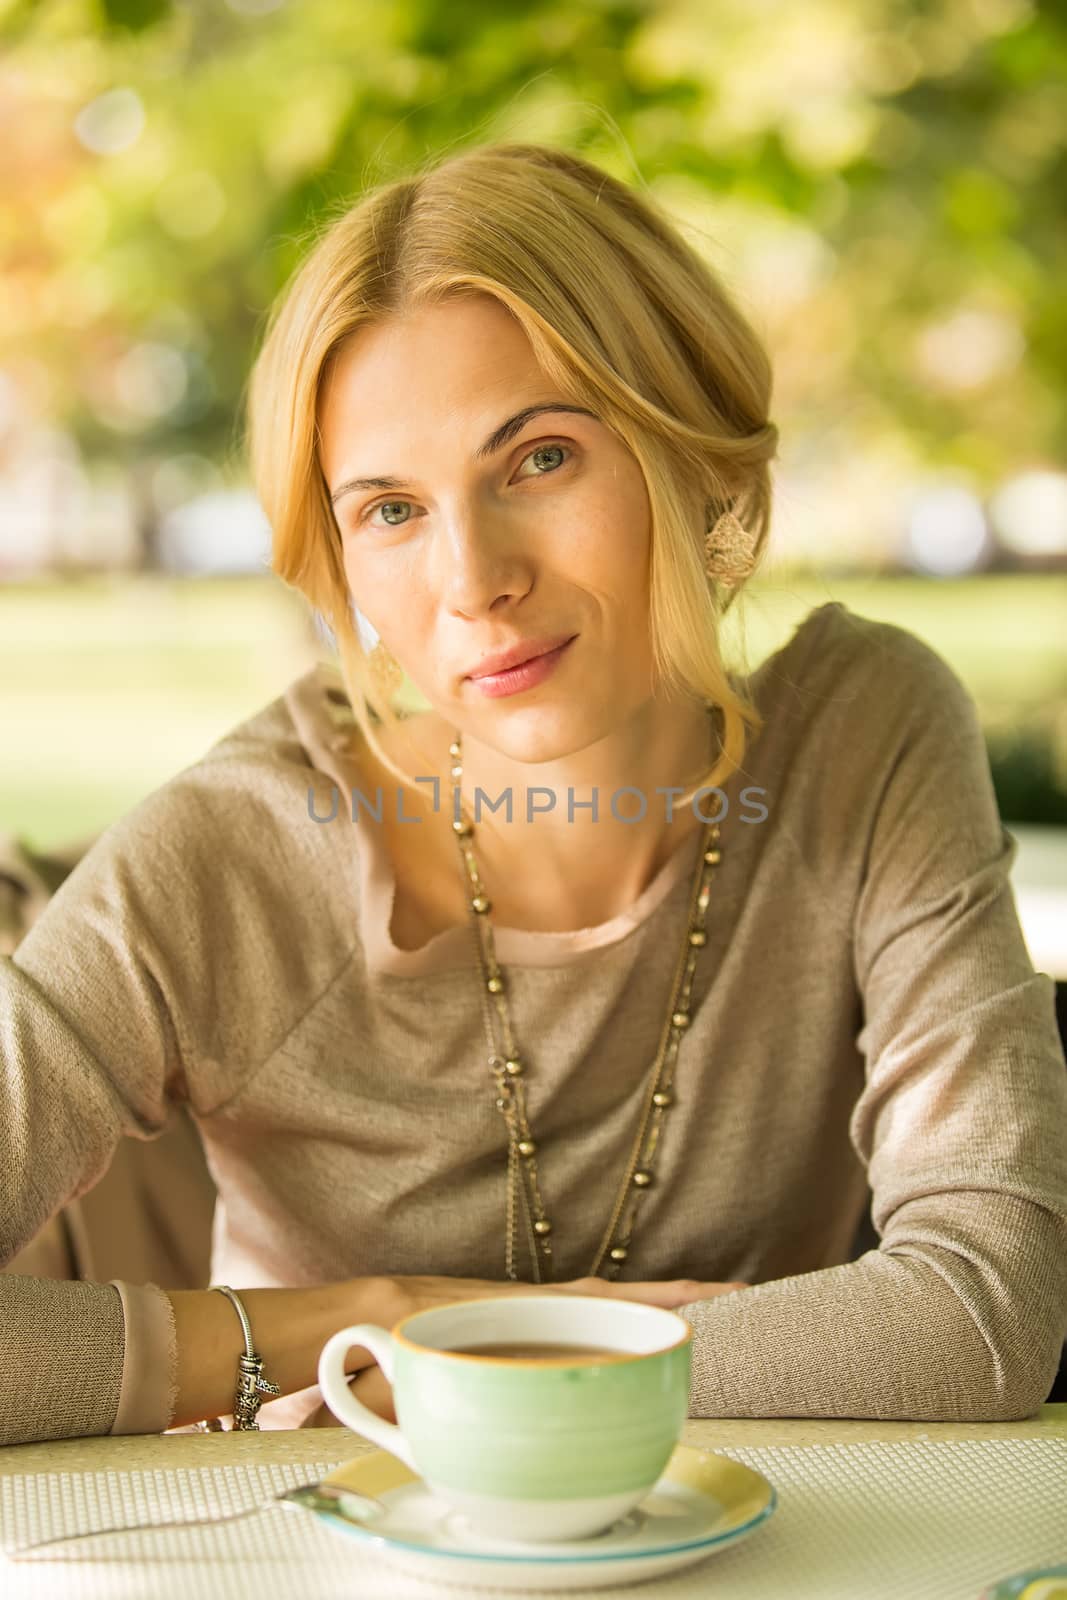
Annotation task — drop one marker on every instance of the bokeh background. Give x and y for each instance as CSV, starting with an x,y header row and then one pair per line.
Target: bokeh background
x,y
882,184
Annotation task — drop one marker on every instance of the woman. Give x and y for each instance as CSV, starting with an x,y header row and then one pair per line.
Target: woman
x,y
710,964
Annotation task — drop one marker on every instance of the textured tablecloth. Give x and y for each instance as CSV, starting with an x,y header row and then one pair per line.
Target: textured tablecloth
x,y
911,1520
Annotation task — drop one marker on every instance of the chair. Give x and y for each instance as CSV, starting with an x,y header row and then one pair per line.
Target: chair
x,y
149,1218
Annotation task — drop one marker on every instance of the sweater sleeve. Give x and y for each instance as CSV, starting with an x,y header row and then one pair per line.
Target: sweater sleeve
x,y
101,1007
95,1001
78,1359
169,965
961,1312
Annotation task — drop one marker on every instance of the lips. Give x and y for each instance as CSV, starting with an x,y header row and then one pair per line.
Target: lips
x,y
527,650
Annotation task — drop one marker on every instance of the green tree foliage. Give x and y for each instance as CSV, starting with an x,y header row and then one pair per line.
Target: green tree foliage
x,y
883,183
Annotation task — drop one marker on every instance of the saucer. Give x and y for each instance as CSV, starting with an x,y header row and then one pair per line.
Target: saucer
x,y
1040,1583
702,1502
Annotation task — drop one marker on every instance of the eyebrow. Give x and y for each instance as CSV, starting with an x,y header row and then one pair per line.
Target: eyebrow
x,y
496,441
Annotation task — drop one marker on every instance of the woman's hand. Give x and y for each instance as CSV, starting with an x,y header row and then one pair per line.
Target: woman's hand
x,y
402,1296
373,1389
369,1386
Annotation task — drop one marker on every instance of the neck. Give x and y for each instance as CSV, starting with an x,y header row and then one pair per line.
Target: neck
x,y
566,855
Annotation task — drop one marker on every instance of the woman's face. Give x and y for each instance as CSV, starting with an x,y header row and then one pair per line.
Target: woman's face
x,y
467,554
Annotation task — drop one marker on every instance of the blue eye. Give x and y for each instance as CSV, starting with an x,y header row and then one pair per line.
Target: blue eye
x,y
540,449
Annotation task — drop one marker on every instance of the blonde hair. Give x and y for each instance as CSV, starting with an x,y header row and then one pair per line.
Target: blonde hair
x,y
623,316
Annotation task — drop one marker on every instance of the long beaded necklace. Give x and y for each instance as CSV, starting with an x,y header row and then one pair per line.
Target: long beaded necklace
x,y
509,1069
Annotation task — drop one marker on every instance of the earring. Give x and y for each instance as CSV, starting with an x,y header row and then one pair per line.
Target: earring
x,y
386,673
729,551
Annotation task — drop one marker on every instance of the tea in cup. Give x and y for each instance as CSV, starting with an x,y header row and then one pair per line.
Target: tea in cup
x,y
538,1418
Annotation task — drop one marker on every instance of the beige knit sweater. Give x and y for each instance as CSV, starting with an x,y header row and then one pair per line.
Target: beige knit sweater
x,y
867,1028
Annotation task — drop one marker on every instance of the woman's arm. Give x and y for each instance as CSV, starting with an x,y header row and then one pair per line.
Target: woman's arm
x,y
290,1327
62,1342
123,998
62,1372
961,1312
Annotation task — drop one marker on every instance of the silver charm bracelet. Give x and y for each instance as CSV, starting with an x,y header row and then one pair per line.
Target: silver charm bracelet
x,y
251,1384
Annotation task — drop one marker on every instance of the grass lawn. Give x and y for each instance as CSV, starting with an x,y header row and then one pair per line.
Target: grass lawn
x,y
109,685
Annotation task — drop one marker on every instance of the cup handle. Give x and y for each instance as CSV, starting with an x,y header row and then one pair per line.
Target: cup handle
x,y
333,1381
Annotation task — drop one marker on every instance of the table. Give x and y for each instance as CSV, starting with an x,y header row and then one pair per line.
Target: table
x,y
813,1545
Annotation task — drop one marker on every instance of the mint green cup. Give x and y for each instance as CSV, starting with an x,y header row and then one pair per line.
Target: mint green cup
x,y
528,1450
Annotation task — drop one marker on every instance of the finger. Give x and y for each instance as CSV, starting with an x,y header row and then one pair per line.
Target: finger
x,y
374,1391
674,1292
688,1292
358,1359
369,1387
668,1295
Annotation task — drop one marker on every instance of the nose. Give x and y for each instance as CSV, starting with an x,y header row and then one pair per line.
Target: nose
x,y
476,556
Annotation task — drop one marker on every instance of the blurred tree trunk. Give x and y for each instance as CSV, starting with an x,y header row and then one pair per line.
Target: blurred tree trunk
x,y
145,513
